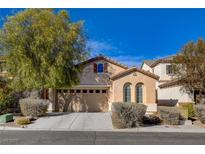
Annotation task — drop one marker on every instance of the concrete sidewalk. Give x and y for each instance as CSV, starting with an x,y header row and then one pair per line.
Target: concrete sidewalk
x,y
154,129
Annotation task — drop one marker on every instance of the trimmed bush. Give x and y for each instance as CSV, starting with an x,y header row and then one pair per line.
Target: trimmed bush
x,y
22,121
169,115
33,107
151,120
200,112
127,115
190,108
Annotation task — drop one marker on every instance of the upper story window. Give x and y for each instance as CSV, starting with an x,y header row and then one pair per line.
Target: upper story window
x,y
169,69
100,68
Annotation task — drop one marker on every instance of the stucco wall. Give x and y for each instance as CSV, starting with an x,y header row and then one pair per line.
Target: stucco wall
x,y
88,77
160,70
175,93
149,94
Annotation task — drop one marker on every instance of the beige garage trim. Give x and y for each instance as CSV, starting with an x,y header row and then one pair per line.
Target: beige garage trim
x,y
92,87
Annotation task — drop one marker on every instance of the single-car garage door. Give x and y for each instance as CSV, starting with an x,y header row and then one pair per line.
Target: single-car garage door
x,y
85,100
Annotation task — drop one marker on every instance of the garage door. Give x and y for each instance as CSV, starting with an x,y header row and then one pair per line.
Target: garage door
x,y
87,100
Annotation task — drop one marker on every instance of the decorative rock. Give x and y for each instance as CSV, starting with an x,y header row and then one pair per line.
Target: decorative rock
x,y
187,122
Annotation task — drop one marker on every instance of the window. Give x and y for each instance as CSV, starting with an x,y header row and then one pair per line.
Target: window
x,y
78,91
84,91
139,93
127,92
90,91
58,91
104,91
97,91
65,91
169,69
72,91
100,68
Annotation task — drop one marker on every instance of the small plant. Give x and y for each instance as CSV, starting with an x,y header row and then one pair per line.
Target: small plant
x,y
200,112
190,108
22,121
170,115
184,112
127,115
151,120
34,107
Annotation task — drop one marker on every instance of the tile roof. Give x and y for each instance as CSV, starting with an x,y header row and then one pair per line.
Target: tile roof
x,y
149,62
153,63
173,82
101,57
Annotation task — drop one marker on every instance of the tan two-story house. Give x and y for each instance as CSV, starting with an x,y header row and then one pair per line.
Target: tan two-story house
x,y
104,81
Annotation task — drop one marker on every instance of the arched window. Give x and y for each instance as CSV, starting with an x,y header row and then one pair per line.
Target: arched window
x,y
139,93
127,92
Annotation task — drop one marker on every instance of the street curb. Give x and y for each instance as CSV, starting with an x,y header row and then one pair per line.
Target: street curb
x,y
137,130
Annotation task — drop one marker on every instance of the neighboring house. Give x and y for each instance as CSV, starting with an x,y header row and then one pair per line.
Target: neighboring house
x,y
104,81
169,90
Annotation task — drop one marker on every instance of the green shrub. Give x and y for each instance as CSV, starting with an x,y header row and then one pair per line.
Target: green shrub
x,y
127,115
151,120
22,121
184,112
169,115
200,112
33,107
5,102
190,108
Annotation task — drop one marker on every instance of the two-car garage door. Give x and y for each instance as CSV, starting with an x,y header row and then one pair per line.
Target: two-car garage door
x,y
85,100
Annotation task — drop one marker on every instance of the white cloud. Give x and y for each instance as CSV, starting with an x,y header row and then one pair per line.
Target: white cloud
x,y
97,47
107,49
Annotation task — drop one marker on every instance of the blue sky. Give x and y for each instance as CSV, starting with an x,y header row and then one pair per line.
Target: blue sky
x,y
133,35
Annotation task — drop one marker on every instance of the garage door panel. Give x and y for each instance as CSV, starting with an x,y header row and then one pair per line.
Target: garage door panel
x,y
96,102
86,102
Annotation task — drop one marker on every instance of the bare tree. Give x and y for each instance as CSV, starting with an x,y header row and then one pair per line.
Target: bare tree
x,y
189,68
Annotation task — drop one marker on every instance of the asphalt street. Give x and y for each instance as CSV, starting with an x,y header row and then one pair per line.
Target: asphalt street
x,y
98,138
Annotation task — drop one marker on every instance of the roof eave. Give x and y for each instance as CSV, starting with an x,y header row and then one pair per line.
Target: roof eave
x,y
134,70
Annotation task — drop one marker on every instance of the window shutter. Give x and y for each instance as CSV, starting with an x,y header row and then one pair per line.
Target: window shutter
x,y
95,68
105,67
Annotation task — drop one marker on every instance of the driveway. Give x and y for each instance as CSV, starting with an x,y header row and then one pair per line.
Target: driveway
x,y
73,121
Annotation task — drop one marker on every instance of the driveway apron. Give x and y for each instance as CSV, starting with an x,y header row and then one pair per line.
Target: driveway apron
x,y
73,121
